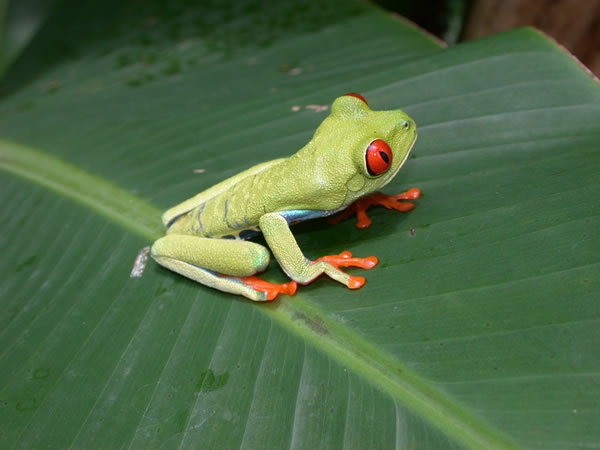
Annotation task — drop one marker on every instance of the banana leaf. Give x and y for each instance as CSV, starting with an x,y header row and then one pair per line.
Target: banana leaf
x,y
478,328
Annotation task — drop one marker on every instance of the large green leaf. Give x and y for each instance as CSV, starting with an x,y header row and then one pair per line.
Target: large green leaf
x,y
479,328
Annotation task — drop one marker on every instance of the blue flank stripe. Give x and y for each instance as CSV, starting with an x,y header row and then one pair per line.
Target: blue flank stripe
x,y
299,215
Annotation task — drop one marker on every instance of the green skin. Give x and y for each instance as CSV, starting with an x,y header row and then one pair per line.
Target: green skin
x,y
324,177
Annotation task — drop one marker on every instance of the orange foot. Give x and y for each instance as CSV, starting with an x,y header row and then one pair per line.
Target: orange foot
x,y
271,289
359,207
345,259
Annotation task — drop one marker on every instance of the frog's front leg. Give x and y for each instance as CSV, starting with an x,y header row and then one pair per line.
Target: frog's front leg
x,y
227,265
278,235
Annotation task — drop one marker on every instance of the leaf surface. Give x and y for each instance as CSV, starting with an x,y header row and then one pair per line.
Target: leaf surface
x,y
479,327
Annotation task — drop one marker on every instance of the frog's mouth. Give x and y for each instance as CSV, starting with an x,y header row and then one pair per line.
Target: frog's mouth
x,y
395,172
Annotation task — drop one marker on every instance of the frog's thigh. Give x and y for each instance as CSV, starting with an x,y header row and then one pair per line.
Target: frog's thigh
x,y
199,258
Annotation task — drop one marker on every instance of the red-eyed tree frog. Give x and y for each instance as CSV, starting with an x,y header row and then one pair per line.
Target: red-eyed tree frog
x,y
354,152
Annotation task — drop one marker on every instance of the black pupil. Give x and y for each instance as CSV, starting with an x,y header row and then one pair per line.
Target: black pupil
x,y
385,157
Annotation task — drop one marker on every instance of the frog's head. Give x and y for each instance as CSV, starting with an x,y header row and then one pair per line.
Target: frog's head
x,y
365,148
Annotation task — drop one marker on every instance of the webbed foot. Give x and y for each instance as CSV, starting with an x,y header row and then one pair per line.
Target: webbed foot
x,y
345,259
271,290
360,206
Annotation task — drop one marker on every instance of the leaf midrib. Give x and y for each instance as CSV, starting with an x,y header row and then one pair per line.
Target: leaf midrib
x,y
295,315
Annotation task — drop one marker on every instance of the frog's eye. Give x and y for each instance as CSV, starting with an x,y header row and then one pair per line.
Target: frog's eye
x,y
358,96
378,157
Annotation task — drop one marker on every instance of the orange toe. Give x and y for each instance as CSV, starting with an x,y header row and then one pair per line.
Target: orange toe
x,y
356,282
345,259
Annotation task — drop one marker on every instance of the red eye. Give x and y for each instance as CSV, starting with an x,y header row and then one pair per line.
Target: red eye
x,y
379,157
358,96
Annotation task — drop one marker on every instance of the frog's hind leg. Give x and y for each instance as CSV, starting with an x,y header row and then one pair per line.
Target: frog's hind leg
x,y
227,265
